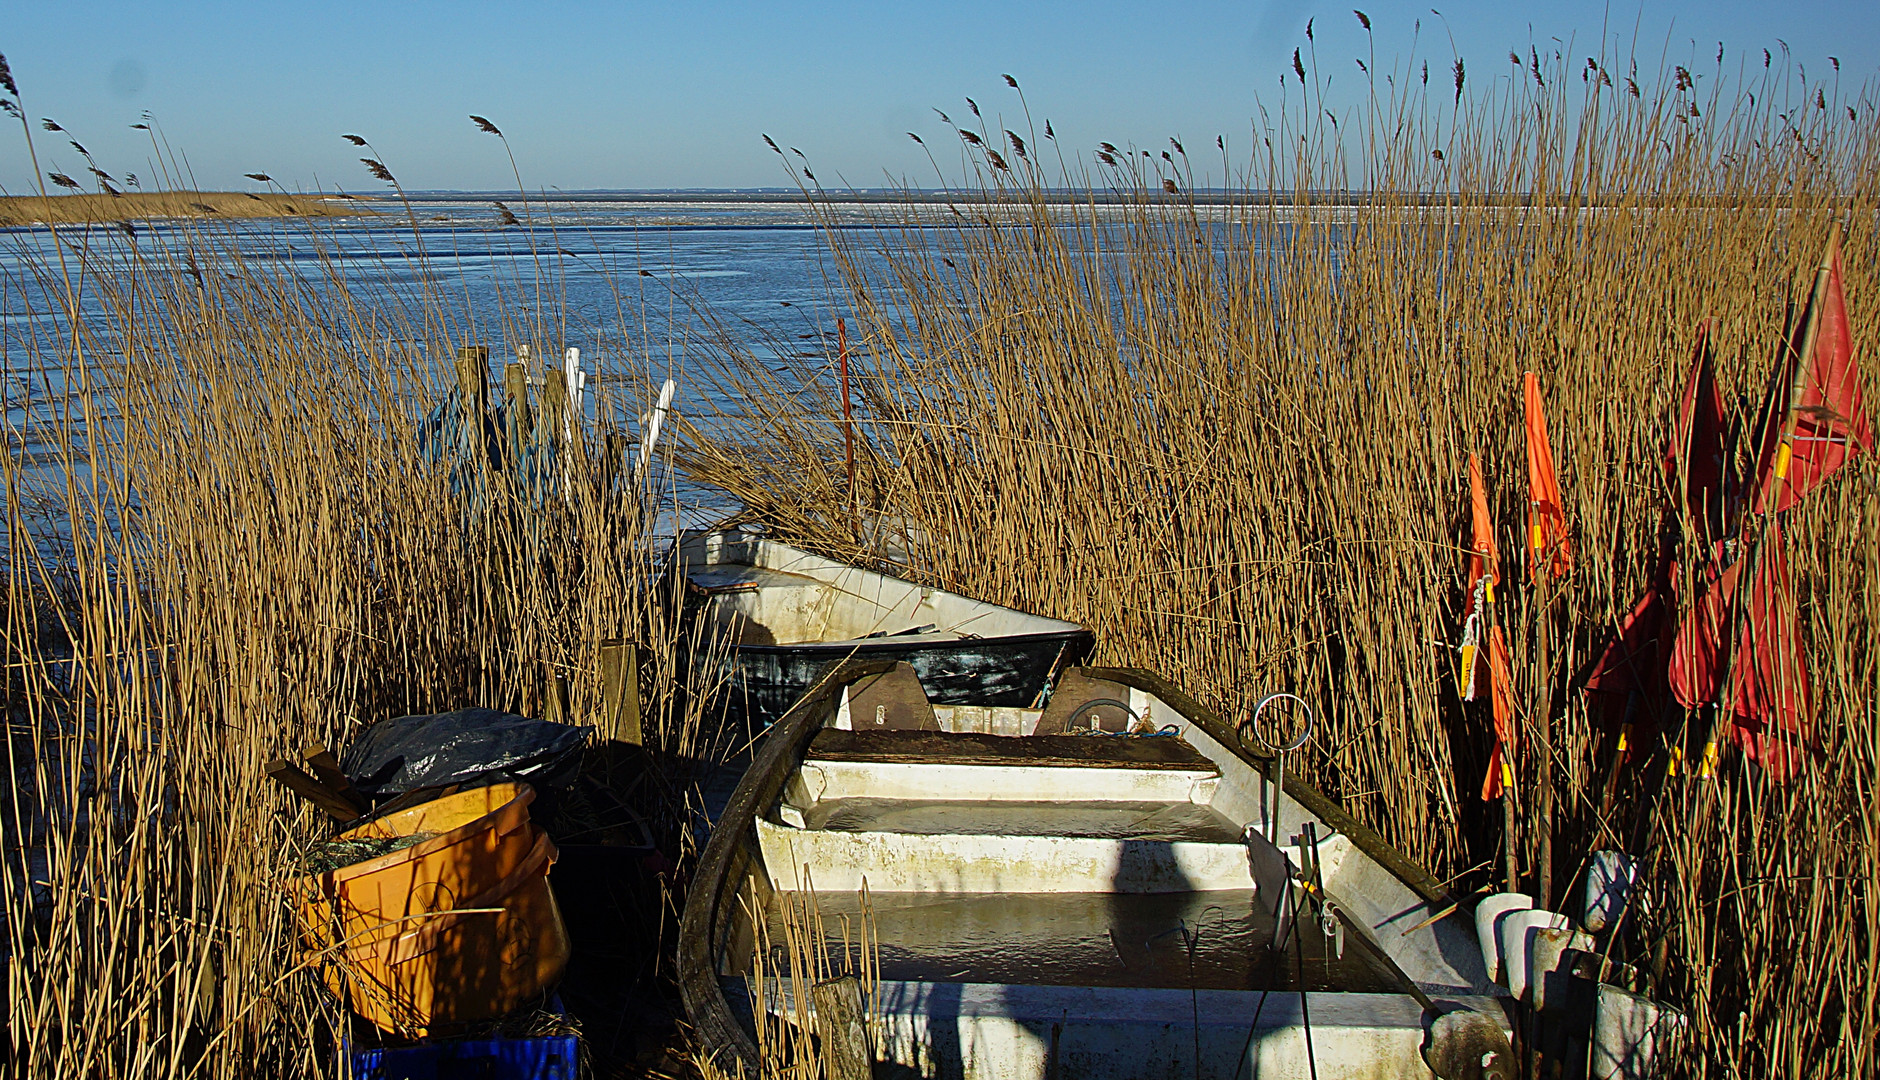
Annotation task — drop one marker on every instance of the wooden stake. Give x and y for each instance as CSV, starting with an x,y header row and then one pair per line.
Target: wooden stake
x,y
1544,780
1510,863
620,690
286,774
838,1005
555,709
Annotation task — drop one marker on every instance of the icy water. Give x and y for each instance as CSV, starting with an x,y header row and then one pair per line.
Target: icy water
x,y
609,268
636,281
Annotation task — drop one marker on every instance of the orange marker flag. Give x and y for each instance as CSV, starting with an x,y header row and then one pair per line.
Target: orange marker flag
x,y
1484,575
1479,586
1501,693
1547,543
1483,558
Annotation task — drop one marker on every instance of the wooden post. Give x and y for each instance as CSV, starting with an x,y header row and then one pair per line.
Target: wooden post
x,y
620,691
473,370
838,1005
555,709
554,413
516,394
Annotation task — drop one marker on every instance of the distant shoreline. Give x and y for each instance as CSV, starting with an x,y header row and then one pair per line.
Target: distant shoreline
x,y
21,210
1316,199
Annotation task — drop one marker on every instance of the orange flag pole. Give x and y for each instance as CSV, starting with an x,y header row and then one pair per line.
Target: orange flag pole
x,y
1485,574
1549,556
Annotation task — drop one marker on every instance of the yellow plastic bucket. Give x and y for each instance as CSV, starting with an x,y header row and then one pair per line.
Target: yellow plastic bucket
x,y
423,976
457,927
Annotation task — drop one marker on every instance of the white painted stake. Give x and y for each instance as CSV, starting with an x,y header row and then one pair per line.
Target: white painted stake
x,y
576,377
652,421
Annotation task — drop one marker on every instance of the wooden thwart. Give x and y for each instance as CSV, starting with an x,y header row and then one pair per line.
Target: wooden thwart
x,y
972,748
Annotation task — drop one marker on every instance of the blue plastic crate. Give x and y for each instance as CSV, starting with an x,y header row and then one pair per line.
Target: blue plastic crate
x,y
552,1058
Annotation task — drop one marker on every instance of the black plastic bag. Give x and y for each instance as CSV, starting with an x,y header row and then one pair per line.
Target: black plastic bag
x,y
468,746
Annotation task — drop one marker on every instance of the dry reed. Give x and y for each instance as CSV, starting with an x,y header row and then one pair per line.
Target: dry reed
x,y
794,949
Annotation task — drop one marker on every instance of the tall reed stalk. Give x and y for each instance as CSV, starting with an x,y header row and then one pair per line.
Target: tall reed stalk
x,y
1229,433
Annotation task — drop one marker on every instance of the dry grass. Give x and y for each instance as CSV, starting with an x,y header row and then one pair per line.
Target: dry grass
x,y
88,208
1232,441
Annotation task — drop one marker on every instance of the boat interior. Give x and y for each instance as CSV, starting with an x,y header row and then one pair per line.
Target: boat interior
x,y
760,592
1042,883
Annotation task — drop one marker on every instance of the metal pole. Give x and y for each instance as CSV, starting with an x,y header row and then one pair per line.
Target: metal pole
x,y
848,421
1280,750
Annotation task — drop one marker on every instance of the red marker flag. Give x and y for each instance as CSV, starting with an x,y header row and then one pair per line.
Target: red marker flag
x,y
1768,702
1635,662
1769,689
1547,542
1639,661
1815,421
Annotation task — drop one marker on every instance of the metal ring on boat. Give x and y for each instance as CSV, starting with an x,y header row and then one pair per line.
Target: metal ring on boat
x,y
1071,721
1305,733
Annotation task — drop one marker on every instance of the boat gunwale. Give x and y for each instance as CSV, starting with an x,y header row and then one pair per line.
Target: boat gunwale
x,y
864,646
1063,627
708,907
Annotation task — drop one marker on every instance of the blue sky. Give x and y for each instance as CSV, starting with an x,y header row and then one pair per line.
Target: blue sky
x,y
630,95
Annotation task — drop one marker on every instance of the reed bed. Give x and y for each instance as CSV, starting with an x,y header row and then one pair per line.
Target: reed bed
x,y
226,538
1229,433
